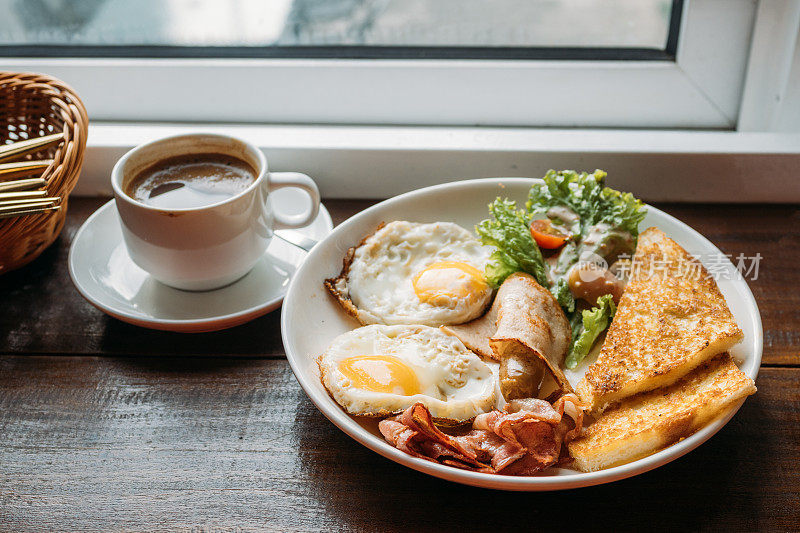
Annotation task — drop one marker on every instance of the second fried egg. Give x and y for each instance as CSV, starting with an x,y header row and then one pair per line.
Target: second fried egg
x,y
381,370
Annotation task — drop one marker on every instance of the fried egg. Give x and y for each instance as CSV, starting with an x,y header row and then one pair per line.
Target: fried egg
x,y
380,370
410,273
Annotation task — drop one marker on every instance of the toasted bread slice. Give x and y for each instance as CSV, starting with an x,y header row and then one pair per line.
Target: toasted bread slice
x,y
671,318
642,425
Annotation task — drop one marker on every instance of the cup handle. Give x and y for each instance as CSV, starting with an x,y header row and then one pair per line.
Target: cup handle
x,y
279,180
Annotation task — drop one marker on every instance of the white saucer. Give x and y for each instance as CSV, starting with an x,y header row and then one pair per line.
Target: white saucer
x,y
104,274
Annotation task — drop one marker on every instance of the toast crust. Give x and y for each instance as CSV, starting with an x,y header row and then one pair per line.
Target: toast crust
x,y
644,424
671,318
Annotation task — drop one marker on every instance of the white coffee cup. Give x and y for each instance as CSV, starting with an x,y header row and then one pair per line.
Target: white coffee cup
x,y
204,248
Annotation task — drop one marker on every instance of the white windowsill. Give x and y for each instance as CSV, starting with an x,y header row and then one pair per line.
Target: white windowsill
x,y
378,162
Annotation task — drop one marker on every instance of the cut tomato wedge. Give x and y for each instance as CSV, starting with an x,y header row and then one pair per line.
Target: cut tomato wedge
x,y
546,235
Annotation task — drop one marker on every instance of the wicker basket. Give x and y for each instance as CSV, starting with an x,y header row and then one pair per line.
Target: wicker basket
x,y
32,105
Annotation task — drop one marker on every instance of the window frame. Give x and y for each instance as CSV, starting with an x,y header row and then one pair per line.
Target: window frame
x,y
381,161
701,88
738,150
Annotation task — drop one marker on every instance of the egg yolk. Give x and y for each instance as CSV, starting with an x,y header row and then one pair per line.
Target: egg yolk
x,y
380,373
441,283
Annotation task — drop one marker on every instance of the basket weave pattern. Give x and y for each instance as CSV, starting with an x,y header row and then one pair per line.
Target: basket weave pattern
x,y
33,105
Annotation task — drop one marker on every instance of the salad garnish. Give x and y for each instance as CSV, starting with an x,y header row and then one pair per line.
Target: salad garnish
x,y
568,221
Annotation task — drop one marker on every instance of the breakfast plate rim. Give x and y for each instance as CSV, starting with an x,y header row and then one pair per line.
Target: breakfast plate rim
x,y
560,481
199,325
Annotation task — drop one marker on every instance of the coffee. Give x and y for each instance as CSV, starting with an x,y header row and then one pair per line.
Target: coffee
x,y
191,180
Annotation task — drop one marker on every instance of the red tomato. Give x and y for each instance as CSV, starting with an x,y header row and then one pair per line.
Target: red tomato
x,y
547,236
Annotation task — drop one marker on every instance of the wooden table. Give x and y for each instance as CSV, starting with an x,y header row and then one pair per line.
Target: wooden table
x,y
108,426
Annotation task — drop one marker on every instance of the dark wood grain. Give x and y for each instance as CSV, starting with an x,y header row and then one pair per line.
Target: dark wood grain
x,y
773,232
105,426
42,312
170,443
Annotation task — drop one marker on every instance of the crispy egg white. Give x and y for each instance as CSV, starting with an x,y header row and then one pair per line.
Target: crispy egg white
x,y
410,273
380,370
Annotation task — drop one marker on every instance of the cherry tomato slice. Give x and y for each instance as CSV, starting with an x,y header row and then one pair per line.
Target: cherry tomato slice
x,y
546,236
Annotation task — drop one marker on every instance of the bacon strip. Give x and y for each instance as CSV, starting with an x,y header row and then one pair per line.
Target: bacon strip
x,y
523,439
413,432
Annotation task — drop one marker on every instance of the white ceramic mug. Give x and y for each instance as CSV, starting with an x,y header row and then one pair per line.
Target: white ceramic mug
x,y
204,248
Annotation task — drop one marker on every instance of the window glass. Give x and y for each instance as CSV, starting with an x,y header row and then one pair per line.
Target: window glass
x,y
636,29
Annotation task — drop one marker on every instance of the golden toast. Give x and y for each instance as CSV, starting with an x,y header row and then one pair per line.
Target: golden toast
x,y
671,318
646,423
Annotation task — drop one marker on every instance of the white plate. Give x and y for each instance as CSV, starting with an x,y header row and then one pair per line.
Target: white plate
x,y
104,274
308,307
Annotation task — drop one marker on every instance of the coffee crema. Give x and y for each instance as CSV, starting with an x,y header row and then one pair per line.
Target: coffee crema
x,y
191,180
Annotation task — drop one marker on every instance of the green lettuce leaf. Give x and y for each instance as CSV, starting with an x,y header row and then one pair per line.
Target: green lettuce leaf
x,y
585,194
585,332
563,295
509,232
